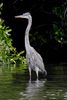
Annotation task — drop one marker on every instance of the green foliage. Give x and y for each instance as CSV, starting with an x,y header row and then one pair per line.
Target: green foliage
x,y
59,11
1,8
8,53
58,32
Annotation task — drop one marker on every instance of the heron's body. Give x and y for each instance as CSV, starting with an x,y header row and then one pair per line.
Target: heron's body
x,y
34,59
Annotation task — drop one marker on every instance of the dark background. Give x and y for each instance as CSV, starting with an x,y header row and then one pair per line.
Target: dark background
x,y
43,18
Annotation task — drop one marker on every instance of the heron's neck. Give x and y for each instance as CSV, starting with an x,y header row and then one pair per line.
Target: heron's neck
x,y
27,43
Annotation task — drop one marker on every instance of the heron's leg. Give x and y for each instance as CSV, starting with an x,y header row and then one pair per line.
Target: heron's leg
x,y
37,70
30,72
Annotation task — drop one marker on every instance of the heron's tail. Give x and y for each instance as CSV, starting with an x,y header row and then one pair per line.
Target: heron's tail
x,y
45,72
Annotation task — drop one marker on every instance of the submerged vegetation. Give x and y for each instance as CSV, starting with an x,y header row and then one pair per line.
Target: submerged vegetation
x,y
8,53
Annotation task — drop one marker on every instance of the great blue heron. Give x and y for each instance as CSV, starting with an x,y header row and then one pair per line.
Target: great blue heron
x,y
34,59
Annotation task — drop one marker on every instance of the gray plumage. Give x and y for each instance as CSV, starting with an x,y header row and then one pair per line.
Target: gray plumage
x,y
34,59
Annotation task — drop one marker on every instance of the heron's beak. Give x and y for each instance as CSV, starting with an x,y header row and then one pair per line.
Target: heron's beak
x,y
19,16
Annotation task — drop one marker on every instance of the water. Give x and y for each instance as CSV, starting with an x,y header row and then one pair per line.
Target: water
x,y
15,85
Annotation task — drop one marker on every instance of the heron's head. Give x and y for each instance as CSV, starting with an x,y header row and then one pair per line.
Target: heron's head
x,y
24,15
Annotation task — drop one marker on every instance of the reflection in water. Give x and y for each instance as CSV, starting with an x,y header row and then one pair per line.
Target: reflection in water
x,y
15,86
33,89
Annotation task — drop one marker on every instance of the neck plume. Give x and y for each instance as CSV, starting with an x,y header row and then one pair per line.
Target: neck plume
x,y
27,43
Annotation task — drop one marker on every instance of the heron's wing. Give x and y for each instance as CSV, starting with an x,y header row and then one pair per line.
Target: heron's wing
x,y
37,59
30,60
